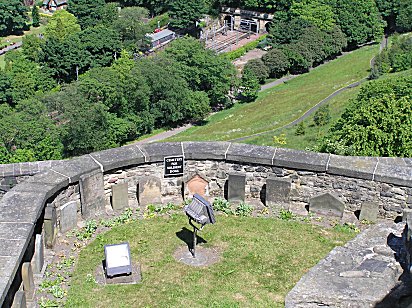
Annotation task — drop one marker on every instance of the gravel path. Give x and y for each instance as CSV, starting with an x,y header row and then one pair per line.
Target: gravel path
x,y
164,135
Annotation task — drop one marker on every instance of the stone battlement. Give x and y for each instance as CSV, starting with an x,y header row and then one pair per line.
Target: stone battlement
x,y
384,181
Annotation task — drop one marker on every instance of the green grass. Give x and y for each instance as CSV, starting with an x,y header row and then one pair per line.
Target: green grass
x,y
261,260
282,104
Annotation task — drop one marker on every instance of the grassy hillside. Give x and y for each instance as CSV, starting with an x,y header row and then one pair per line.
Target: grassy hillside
x,y
282,104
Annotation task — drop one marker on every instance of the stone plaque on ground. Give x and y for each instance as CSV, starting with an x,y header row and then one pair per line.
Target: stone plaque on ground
x,y
68,216
277,190
369,211
327,205
197,185
92,193
50,225
120,198
236,187
150,190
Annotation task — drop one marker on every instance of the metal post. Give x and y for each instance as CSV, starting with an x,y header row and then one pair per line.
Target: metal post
x,y
194,242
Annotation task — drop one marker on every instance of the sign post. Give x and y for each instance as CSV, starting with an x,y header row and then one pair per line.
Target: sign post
x,y
173,165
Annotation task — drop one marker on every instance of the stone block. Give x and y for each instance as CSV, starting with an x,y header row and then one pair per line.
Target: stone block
x,y
120,198
354,167
19,300
22,207
391,174
50,226
205,150
77,167
92,193
119,157
369,211
302,160
197,185
277,190
16,231
327,205
156,152
68,216
38,257
28,280
236,187
150,190
253,154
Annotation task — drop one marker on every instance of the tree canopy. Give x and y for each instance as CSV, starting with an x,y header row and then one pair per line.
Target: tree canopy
x,y
13,16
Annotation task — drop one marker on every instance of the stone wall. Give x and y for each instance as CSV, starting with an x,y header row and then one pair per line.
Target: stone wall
x,y
35,204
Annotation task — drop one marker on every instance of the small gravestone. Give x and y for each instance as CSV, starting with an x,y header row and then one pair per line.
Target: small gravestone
x,y
150,190
92,193
68,216
236,187
38,257
19,300
28,280
407,216
277,190
197,185
120,198
369,211
50,225
327,205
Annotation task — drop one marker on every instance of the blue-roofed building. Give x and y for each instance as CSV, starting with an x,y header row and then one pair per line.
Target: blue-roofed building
x,y
161,38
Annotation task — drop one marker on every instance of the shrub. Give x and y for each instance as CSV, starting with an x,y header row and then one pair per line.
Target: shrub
x,y
222,205
257,68
277,62
322,116
300,129
244,209
232,55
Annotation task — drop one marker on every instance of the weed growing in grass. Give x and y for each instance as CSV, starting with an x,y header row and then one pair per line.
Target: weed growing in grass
x,y
366,222
47,303
346,228
281,139
222,205
57,291
153,210
244,209
286,215
125,217
65,263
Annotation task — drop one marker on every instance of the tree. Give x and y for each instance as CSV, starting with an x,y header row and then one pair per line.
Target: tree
x,y
131,27
359,20
35,16
249,87
257,68
314,12
5,83
389,11
155,7
31,47
13,16
377,123
277,62
61,25
404,18
185,14
88,13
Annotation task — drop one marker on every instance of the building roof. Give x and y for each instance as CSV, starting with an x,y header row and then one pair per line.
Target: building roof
x,y
159,35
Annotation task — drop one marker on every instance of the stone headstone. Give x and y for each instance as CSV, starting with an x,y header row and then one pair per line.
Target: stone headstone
x,y
150,190
197,185
277,190
19,300
407,216
28,280
50,225
327,205
38,257
120,198
236,187
68,216
92,193
369,211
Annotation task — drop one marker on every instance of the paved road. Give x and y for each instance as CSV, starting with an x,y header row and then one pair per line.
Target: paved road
x,y
164,135
10,47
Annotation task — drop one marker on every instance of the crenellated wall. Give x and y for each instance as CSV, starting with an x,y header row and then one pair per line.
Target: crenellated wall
x,y
387,182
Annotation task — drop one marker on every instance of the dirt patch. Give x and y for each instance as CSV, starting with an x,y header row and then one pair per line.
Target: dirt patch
x,y
204,256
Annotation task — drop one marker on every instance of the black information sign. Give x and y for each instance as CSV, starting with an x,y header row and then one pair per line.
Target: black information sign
x,y
174,165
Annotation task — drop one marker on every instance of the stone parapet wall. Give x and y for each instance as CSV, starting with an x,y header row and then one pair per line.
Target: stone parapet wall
x,y
387,181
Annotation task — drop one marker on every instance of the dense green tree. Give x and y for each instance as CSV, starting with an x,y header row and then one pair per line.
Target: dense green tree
x,y
32,46
249,87
61,25
5,83
314,12
203,69
359,20
285,31
377,123
35,16
132,29
13,16
404,18
277,62
155,7
88,13
389,11
185,14
257,68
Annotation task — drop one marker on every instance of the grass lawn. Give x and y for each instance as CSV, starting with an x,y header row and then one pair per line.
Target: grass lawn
x,y
261,260
281,105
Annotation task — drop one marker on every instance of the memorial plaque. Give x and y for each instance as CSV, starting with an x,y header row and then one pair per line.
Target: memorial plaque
x,y
150,190
173,165
327,205
277,190
236,187
197,185
92,193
